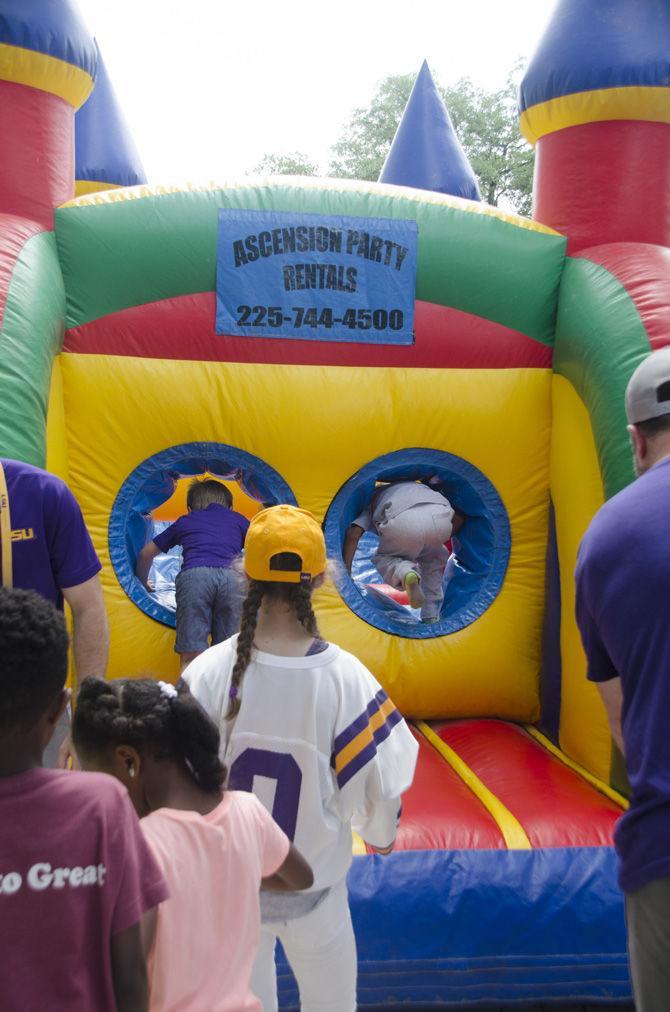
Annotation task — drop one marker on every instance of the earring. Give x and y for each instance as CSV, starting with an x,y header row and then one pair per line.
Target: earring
x,y
131,771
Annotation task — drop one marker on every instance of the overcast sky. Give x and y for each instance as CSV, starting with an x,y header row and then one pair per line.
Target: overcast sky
x,y
210,86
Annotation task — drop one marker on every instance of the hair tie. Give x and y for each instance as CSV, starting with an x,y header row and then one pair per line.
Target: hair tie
x,y
232,692
168,690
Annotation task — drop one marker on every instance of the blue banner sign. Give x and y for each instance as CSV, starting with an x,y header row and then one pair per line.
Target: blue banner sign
x,y
316,277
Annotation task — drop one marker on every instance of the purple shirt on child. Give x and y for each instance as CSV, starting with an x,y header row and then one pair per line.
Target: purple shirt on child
x,y
75,870
51,547
212,537
623,612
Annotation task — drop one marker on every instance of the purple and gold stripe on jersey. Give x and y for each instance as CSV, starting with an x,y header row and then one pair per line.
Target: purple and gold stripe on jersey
x,y
357,744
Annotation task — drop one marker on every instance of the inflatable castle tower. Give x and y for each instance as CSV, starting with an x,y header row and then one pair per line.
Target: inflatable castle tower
x,y
426,152
122,369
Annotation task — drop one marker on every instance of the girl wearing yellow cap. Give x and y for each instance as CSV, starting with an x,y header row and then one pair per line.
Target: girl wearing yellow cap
x,y
309,730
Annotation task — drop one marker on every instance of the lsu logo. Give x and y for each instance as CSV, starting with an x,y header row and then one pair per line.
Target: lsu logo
x,y
23,534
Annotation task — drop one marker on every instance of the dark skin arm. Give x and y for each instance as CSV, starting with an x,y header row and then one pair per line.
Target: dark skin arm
x,y
457,522
351,539
148,926
129,971
294,874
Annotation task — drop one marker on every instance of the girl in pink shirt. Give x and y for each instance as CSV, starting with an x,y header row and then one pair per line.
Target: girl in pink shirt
x,y
215,849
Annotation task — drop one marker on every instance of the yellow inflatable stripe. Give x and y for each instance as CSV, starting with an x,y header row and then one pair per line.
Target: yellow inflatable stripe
x,y
47,73
599,785
513,832
403,193
357,844
84,187
642,103
577,492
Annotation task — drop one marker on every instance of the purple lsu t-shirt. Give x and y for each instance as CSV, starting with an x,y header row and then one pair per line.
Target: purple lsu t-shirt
x,y
51,547
210,537
75,870
623,613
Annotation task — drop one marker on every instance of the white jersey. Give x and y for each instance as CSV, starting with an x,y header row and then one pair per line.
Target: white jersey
x,y
318,741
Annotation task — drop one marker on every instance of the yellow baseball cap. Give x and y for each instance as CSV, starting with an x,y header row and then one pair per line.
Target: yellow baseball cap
x,y
284,529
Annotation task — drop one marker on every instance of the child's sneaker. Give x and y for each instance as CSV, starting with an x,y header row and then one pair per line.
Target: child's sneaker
x,y
412,587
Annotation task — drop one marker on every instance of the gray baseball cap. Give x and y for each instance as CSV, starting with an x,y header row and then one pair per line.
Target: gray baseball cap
x,y
648,390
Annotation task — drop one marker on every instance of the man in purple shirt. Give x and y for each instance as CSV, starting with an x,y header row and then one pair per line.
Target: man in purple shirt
x,y
208,591
50,551
623,612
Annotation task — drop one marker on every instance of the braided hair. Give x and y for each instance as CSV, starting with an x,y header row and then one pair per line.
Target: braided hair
x,y
149,715
298,596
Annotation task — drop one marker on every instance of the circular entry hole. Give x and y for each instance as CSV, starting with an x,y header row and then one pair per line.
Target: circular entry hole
x,y
154,495
478,554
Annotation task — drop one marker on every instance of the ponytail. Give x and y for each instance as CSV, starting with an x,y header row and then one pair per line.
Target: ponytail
x,y
301,597
245,642
149,715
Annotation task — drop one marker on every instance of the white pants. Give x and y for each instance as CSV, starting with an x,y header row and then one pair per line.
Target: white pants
x,y
414,541
321,950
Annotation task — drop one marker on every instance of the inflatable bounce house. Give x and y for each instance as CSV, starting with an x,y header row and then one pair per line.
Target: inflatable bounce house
x,y
386,330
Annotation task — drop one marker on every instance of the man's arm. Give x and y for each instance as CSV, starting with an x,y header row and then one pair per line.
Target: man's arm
x,y
90,628
144,560
129,971
600,667
612,697
351,539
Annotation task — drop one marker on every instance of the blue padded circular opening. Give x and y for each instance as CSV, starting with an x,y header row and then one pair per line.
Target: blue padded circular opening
x,y
153,482
476,569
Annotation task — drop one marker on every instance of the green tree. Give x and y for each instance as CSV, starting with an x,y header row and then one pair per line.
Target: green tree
x,y
365,141
488,128
486,123
292,163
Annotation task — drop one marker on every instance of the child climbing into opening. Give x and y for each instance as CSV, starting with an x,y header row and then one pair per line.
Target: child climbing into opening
x,y
413,521
209,593
215,848
307,728
76,875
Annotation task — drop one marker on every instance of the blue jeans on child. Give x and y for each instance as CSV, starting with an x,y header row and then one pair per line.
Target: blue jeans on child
x,y
209,602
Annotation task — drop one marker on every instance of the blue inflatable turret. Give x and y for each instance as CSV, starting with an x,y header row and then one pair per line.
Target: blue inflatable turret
x,y
105,153
426,152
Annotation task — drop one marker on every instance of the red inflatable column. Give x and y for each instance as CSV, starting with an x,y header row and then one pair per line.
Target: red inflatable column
x,y
605,182
595,99
37,144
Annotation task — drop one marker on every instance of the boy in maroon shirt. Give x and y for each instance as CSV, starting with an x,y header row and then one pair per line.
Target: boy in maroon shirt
x,y
76,876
